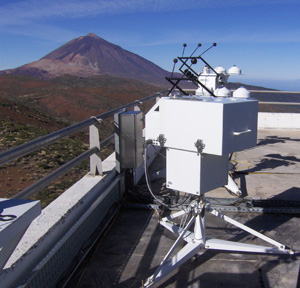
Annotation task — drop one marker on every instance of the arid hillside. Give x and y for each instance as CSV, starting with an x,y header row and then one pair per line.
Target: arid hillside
x,y
70,98
20,124
31,107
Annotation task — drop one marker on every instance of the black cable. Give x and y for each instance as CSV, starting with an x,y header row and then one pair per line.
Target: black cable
x,y
150,190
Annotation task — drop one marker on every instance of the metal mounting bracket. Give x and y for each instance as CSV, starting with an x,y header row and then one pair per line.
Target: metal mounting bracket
x,y
199,145
161,139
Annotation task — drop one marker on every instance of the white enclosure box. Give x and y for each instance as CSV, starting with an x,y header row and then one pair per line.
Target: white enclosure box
x,y
17,215
224,125
210,82
195,173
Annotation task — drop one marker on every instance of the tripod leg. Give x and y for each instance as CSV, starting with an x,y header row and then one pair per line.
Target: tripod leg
x,y
232,187
217,244
186,253
181,235
280,247
200,227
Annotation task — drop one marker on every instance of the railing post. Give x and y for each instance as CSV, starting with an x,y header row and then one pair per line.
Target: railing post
x,y
95,159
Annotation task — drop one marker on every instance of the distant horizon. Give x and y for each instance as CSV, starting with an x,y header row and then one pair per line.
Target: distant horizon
x,y
261,37
284,85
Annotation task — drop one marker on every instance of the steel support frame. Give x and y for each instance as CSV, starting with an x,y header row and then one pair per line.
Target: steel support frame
x,y
197,241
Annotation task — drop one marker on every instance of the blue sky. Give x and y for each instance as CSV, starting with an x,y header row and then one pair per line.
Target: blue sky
x,y
262,37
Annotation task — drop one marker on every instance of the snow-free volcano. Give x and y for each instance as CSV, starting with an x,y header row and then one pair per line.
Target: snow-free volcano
x,y
91,55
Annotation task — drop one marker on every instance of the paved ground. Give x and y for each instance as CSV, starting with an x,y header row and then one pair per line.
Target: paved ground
x,y
272,167
135,244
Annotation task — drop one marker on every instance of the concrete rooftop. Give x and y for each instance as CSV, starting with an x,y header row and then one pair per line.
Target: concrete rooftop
x,y
135,243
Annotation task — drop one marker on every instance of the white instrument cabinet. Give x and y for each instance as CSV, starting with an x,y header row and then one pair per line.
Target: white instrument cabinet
x,y
224,125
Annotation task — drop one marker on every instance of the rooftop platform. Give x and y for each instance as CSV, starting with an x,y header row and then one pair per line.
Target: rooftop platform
x,y
135,243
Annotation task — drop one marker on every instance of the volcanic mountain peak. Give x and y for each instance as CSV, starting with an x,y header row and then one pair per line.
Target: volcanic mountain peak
x,y
91,55
93,35
84,46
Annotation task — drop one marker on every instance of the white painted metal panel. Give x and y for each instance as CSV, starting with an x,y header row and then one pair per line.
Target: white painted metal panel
x,y
24,211
185,121
239,125
183,171
224,125
16,216
152,123
195,173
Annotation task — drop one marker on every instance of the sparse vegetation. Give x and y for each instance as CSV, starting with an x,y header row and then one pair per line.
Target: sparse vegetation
x,y
30,108
24,171
71,99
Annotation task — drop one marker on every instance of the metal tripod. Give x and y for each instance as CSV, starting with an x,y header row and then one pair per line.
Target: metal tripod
x,y
197,240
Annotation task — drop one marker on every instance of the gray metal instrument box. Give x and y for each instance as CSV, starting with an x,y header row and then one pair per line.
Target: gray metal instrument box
x,y
129,139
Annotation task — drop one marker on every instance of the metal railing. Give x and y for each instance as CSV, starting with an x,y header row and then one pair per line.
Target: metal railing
x,y
26,148
279,103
